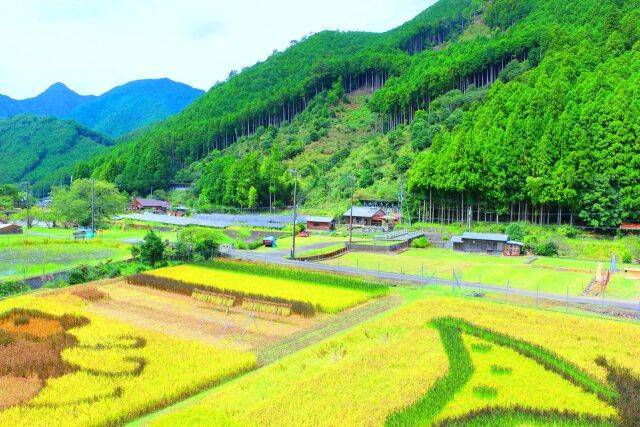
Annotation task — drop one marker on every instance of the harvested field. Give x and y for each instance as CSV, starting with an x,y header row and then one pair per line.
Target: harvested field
x,y
184,317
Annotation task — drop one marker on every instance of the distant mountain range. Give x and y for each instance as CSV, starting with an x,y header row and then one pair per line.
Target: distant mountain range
x,y
117,112
56,101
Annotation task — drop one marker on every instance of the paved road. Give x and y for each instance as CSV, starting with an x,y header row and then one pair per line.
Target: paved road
x,y
423,281
279,253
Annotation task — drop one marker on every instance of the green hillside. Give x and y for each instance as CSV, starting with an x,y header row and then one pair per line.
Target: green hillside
x,y
555,138
39,149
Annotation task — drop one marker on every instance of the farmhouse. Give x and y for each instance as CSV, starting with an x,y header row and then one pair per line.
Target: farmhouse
x,y
10,229
366,217
487,243
320,223
150,205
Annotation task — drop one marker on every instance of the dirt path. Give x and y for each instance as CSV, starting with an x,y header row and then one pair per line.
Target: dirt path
x,y
326,329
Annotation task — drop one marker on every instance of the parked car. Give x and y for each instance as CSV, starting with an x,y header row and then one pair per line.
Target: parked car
x,y
84,230
303,234
269,242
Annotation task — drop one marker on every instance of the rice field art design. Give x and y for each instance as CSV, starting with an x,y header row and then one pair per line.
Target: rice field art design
x,y
494,379
32,344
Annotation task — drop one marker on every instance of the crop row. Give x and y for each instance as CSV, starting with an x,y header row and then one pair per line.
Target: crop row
x,y
187,288
306,298
299,275
216,299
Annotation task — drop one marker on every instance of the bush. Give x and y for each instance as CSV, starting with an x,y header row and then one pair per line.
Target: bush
x,y
12,288
420,243
530,243
515,232
570,232
626,258
547,249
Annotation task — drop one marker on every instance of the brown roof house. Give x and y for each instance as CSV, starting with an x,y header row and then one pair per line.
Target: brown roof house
x,y
150,205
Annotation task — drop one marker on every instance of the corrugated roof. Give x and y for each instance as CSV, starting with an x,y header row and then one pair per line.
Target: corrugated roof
x,y
456,239
153,203
513,242
3,226
361,212
486,236
319,219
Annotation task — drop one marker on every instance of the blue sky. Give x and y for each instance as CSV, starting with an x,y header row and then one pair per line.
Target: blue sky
x,y
94,45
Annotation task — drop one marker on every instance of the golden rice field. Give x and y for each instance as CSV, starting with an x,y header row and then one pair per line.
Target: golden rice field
x,y
328,299
440,361
111,372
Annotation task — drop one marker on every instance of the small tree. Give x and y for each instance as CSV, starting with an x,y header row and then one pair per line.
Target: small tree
x,y
252,198
151,249
515,232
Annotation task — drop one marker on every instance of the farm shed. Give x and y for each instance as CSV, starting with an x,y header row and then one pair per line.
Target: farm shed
x,y
481,243
366,216
10,229
150,204
513,248
320,223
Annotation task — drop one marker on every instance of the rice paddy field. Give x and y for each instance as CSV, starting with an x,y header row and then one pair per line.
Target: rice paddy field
x,y
440,361
180,346
308,293
552,275
25,256
61,364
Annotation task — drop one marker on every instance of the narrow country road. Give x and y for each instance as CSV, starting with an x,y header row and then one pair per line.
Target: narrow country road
x,y
423,281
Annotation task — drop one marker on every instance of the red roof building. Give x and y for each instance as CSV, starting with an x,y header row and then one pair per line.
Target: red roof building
x,y
150,204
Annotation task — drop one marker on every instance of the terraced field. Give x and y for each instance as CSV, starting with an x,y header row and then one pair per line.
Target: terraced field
x,y
441,361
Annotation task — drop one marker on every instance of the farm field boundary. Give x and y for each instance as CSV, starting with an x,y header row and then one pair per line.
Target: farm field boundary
x,y
396,278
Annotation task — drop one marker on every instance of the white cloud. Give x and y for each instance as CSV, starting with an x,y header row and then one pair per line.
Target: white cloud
x,y
94,45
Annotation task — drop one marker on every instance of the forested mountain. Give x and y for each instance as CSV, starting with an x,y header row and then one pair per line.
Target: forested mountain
x,y
524,107
134,105
39,149
57,100
117,112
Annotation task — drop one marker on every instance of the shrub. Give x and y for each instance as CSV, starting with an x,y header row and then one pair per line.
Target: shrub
x,y
515,232
570,232
626,258
420,243
547,249
12,288
530,243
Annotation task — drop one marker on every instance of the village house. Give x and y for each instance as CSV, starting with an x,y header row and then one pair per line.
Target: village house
x,y
153,205
320,223
366,217
487,243
10,229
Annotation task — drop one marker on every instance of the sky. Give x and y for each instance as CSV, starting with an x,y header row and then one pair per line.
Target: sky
x,y
95,45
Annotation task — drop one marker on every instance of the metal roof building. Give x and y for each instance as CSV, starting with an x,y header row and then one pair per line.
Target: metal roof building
x,y
495,244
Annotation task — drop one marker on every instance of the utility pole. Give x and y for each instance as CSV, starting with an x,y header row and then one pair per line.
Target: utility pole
x,y
469,220
401,200
294,173
93,206
28,190
352,178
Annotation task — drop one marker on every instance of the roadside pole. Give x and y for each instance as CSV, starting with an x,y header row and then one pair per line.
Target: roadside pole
x,y
506,298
